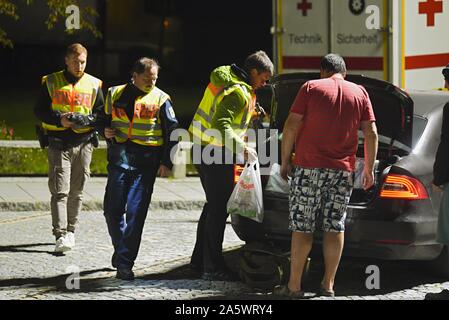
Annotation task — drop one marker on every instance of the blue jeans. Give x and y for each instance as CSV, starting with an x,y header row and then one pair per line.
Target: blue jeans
x,y
126,202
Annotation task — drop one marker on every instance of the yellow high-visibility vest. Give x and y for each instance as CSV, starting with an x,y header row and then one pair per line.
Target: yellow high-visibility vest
x,y
202,120
66,97
145,127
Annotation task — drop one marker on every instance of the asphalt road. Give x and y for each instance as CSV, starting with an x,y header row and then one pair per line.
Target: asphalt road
x,y
29,269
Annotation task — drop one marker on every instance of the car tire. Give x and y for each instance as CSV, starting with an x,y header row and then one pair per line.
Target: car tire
x,y
440,266
263,271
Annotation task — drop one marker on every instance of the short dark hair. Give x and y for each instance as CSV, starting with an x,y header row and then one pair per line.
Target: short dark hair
x,y
333,63
75,48
260,61
144,63
446,73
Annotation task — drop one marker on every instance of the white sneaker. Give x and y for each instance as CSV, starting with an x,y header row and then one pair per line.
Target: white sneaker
x,y
61,245
70,239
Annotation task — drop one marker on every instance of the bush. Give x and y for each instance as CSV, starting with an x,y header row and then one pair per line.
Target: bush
x,y
6,133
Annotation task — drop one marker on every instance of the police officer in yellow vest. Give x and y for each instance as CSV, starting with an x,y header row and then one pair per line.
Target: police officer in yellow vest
x,y
66,94
141,120
226,109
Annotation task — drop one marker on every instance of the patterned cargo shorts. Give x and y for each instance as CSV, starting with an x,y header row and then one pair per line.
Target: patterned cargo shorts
x,y
319,198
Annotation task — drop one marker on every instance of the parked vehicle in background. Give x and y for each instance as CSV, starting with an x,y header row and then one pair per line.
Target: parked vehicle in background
x,y
376,38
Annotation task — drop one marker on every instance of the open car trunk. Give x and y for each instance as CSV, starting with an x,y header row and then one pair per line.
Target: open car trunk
x,y
393,109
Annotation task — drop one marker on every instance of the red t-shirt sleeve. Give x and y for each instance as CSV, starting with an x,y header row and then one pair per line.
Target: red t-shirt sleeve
x,y
368,113
301,101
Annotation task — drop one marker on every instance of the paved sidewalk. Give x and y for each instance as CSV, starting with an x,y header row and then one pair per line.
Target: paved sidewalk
x,y
32,194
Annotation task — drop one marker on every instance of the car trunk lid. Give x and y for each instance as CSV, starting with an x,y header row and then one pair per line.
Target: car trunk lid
x,y
393,109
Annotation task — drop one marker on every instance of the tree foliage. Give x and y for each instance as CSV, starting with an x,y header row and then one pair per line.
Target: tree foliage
x,y
57,12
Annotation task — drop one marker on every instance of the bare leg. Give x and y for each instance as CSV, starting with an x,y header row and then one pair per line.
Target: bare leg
x,y
300,249
332,250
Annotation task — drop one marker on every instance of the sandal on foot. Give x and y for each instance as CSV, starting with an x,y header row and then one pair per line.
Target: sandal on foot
x,y
327,293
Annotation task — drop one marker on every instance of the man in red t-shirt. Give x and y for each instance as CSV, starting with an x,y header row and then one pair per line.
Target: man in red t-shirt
x,y
323,126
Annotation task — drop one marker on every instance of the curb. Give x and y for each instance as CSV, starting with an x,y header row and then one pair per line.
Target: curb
x,y
96,205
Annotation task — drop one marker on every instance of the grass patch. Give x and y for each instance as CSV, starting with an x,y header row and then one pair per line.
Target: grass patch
x,y
16,112
99,163
16,108
32,161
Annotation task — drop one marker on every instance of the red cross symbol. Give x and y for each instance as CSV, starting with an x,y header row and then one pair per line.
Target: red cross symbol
x,y
430,8
304,6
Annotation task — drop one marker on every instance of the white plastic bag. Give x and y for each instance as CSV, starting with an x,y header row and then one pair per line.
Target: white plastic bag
x,y
246,199
358,172
275,182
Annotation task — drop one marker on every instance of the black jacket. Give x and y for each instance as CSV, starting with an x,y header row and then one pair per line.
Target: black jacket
x,y
441,165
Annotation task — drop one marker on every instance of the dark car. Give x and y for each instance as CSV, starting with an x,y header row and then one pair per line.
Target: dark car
x,y
394,220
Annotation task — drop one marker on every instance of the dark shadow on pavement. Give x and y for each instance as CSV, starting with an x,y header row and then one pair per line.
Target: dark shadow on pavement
x,y
186,273
353,276
23,248
57,281
183,272
180,273
352,279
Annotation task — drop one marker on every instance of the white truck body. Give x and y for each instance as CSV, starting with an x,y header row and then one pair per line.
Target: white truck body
x,y
405,42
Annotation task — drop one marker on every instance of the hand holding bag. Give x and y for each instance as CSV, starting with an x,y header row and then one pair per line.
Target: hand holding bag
x,y
246,199
276,183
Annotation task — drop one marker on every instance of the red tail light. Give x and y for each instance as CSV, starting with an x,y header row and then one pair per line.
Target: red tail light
x,y
403,187
237,172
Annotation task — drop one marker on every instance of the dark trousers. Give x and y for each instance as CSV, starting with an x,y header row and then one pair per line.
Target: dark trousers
x,y
218,183
126,202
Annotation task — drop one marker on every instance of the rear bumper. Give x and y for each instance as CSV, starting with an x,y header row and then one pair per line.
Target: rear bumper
x,y
389,240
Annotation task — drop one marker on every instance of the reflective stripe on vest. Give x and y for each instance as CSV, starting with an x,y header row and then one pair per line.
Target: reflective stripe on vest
x,y
202,120
66,97
145,128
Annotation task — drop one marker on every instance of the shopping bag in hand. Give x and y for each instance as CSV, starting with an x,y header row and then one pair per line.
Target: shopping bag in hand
x,y
276,183
246,199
